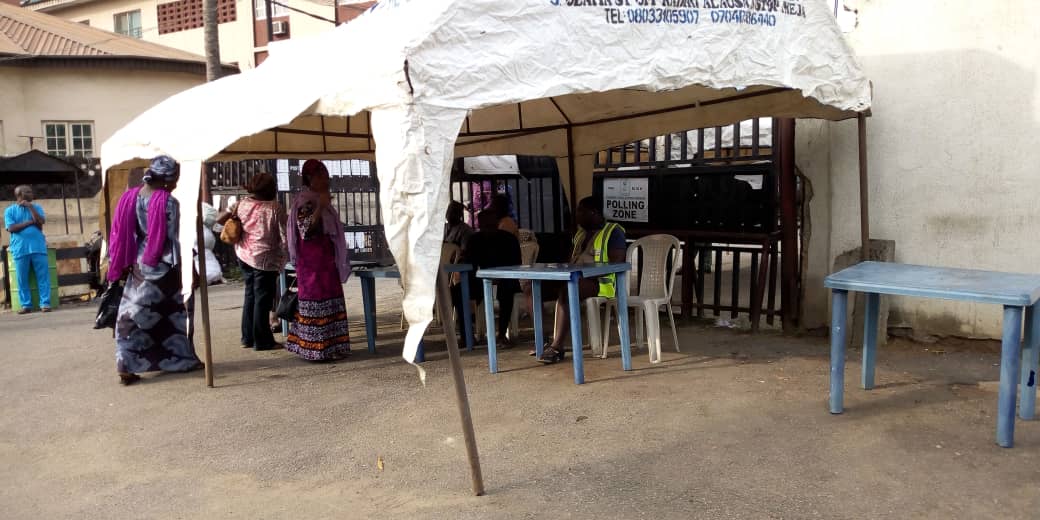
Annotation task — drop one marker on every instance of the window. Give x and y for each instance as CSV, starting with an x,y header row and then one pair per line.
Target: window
x,y
129,23
69,138
260,8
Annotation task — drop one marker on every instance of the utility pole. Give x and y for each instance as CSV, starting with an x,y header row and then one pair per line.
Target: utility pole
x,y
212,39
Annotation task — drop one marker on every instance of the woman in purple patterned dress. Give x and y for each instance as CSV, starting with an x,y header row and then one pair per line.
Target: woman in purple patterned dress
x,y
318,248
152,331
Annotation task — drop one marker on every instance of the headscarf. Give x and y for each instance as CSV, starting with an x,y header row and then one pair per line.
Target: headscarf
x,y
331,224
123,238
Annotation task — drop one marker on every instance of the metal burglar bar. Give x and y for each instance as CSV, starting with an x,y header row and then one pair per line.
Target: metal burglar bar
x,y
718,190
355,197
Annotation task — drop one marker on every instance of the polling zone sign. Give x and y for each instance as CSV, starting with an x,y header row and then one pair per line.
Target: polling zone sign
x,y
625,200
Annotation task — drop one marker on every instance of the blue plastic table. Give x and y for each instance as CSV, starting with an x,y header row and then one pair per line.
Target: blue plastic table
x,y
367,277
283,281
570,273
1016,292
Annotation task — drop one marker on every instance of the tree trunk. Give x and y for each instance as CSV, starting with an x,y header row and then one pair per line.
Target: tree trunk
x,y
209,24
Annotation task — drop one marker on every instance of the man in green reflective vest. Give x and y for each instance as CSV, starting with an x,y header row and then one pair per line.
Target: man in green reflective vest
x,y
596,241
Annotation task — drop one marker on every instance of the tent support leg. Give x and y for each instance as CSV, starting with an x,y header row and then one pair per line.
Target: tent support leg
x,y
79,207
204,287
444,309
864,208
573,182
65,207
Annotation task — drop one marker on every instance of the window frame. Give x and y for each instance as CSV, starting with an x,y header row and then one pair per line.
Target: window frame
x,y
129,28
260,10
68,137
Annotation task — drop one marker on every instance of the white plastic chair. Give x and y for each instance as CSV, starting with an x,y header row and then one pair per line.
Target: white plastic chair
x,y
655,284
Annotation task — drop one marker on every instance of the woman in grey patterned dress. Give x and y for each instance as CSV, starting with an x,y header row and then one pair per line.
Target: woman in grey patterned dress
x,y
152,328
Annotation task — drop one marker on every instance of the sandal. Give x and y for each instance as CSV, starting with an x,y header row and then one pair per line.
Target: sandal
x,y
550,355
533,352
128,379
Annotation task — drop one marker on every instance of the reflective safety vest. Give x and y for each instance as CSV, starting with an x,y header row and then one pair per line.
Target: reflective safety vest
x,y
607,283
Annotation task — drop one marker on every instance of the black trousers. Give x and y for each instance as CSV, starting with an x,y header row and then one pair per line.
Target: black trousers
x,y
259,299
506,290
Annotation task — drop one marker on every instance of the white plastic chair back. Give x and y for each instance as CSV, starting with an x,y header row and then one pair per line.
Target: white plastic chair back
x,y
525,236
528,252
656,280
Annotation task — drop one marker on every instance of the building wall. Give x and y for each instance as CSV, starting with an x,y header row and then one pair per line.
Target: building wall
x,y
240,40
952,150
236,38
110,98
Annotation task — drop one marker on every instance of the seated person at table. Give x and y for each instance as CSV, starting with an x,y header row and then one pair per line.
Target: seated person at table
x,y
489,247
456,231
500,206
596,241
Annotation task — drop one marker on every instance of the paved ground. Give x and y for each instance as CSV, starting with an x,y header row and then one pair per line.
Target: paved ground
x,y
736,426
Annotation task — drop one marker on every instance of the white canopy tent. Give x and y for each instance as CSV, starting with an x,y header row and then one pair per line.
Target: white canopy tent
x,y
414,83
426,80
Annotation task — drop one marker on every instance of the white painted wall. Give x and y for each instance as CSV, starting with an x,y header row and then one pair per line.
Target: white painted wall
x,y
954,155
236,38
110,98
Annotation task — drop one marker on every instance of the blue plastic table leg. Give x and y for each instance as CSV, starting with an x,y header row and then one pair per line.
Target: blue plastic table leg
x,y
574,304
1030,360
282,286
536,315
489,315
467,320
622,302
839,303
368,299
1010,350
870,334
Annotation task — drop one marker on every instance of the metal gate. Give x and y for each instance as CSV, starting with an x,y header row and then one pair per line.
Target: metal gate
x,y
721,191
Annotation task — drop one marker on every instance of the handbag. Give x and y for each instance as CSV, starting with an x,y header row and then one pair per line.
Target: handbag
x,y
288,304
232,231
108,310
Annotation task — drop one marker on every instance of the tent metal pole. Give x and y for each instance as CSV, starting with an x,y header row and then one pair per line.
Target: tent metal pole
x,y
203,283
79,207
864,207
572,181
788,225
65,207
462,399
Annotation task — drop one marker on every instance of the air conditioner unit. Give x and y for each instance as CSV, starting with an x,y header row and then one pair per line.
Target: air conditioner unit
x,y
280,28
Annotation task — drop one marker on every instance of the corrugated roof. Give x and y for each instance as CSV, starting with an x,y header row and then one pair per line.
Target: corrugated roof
x,y
24,32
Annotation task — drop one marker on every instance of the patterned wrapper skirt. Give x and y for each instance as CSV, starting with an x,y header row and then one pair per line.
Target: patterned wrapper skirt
x,y
152,327
320,331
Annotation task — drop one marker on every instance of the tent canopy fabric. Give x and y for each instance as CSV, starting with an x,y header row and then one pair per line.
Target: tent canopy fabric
x,y
427,80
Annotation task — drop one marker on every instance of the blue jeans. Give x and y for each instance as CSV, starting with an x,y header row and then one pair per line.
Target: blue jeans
x,y
37,263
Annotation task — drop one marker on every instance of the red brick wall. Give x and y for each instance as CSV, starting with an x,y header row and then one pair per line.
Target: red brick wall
x,y
346,13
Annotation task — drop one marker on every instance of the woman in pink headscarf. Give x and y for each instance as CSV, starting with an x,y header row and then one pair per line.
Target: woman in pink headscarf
x,y
318,248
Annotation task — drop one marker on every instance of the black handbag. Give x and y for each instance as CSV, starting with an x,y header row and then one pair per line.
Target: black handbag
x,y
108,310
288,304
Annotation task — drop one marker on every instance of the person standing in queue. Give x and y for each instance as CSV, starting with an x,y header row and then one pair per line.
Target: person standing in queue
x,y
318,249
